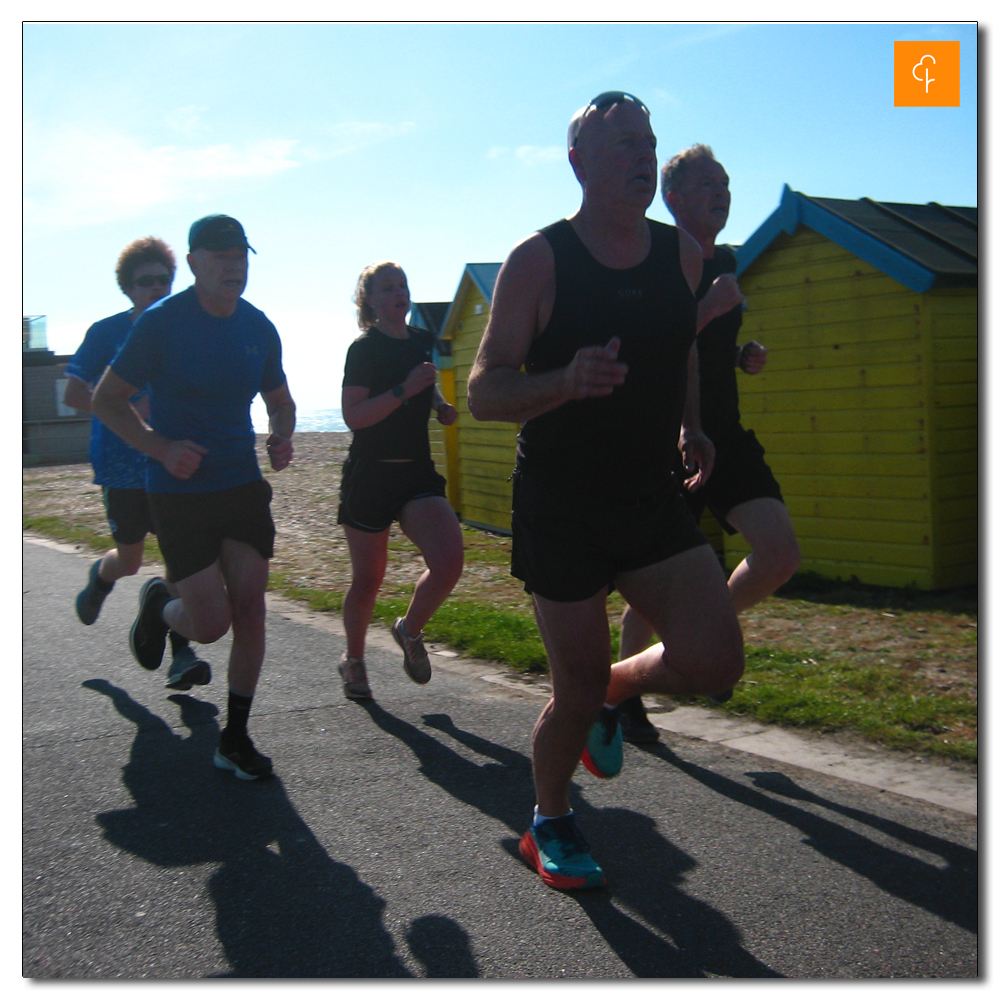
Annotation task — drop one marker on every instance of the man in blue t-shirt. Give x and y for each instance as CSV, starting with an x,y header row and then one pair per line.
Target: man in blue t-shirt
x,y
145,272
205,353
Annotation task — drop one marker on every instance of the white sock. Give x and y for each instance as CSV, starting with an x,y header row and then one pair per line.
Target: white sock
x,y
539,818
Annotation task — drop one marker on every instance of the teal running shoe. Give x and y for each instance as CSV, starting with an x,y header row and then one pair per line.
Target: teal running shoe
x,y
603,754
90,599
557,851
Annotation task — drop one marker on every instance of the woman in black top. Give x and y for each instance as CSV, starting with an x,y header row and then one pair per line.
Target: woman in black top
x,y
389,390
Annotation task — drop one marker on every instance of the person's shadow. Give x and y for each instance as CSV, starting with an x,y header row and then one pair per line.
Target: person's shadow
x,y
949,890
690,939
284,907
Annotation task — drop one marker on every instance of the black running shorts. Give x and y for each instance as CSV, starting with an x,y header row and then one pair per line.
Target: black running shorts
x,y
128,512
739,474
373,493
568,547
191,527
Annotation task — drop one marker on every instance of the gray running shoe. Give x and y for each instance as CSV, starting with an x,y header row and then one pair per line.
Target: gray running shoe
x,y
90,599
148,636
415,660
241,756
187,670
355,678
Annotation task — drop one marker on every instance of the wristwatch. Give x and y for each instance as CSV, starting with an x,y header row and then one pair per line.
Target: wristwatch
x,y
397,391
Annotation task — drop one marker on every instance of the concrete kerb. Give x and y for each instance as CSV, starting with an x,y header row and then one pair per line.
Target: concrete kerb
x,y
929,781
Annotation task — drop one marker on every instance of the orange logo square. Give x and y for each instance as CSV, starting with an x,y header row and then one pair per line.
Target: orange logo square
x,y
926,75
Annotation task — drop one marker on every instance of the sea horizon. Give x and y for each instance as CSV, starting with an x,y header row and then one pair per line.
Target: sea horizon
x,y
312,421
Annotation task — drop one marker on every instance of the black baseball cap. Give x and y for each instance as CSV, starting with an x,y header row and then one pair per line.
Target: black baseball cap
x,y
217,232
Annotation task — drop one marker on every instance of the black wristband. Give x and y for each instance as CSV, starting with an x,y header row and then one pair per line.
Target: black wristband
x,y
397,391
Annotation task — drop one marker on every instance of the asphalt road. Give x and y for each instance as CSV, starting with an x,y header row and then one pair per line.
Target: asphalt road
x,y
387,845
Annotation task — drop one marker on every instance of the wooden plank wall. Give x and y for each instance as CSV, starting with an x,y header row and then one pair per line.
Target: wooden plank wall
x,y
842,410
486,449
955,435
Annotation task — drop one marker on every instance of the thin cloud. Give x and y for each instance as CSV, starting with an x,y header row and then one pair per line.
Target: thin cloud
x,y
349,137
185,120
79,177
708,34
76,176
534,155
531,156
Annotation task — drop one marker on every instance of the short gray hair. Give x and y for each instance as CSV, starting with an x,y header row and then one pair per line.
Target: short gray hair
x,y
672,175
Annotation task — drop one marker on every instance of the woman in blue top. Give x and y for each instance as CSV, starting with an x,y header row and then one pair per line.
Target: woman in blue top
x,y
145,273
388,392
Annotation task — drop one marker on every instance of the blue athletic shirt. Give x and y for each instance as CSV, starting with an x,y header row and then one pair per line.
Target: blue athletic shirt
x,y
116,465
203,372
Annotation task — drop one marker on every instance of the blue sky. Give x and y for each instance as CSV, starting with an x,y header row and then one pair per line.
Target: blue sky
x,y
430,144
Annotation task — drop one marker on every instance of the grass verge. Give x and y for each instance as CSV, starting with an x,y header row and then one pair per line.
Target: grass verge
x,y
880,704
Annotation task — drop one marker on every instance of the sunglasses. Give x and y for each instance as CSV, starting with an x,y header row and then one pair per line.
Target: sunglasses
x,y
599,103
610,97
148,280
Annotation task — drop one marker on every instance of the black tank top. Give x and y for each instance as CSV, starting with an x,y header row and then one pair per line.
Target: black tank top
x,y
620,445
720,403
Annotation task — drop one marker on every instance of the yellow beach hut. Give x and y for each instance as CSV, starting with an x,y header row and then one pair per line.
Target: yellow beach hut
x,y
476,457
868,405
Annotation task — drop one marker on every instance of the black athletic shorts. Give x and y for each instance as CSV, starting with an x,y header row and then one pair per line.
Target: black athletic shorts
x,y
567,547
128,513
191,527
373,493
739,474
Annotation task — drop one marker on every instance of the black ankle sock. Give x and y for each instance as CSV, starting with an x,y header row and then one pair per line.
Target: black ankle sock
x,y
102,585
238,714
178,642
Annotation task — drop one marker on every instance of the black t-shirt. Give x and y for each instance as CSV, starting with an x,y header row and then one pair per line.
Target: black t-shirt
x,y
378,363
720,401
619,445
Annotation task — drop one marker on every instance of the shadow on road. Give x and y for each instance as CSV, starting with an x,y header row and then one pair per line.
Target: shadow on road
x,y
689,939
284,907
949,890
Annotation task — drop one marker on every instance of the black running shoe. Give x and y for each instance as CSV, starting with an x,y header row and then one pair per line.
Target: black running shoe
x,y
187,670
90,599
721,698
239,754
149,631
636,727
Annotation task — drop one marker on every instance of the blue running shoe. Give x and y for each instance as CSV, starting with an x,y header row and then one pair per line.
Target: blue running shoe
x,y
557,851
603,754
187,669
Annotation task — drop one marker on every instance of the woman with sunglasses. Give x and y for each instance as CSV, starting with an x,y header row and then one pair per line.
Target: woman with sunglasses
x,y
145,273
388,391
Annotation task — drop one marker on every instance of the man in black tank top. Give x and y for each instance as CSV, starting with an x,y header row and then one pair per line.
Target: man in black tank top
x,y
589,345
742,493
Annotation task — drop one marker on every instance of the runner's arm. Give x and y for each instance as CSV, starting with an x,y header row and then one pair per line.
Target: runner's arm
x,y
77,394
281,423
696,449
360,409
111,406
446,413
521,308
